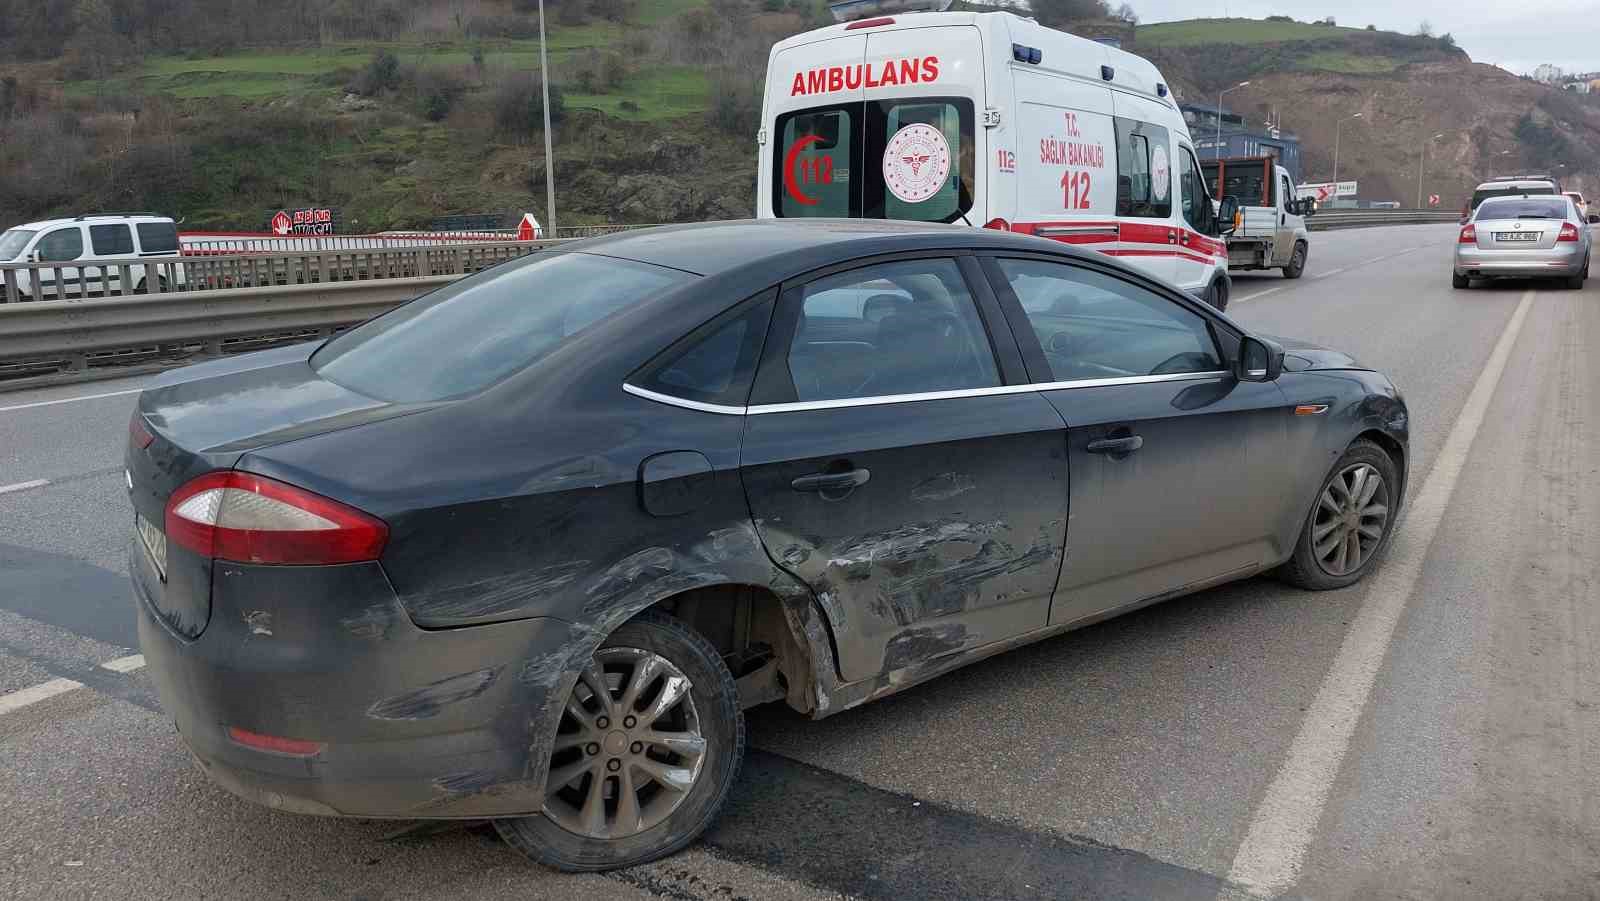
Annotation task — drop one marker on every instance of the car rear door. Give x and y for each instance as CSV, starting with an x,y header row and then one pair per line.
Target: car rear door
x,y
1177,468
895,462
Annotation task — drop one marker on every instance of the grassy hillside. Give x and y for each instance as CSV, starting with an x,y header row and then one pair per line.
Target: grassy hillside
x,y
1194,32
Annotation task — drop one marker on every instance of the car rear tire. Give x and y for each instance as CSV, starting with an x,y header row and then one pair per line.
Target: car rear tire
x,y
1573,282
1459,281
1217,295
1350,521
1297,261
679,776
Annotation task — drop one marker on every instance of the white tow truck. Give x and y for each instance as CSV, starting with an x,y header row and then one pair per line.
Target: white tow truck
x,y
1270,225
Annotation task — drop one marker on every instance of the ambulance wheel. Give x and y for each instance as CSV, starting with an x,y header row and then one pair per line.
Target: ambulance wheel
x,y
1217,294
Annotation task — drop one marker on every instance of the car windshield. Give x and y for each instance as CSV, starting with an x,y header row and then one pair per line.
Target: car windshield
x,y
472,334
12,242
1524,208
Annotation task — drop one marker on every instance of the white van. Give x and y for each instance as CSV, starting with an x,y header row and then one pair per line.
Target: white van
x,y
70,247
988,119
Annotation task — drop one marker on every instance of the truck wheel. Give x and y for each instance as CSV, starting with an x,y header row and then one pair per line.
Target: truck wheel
x,y
1217,294
645,756
1297,262
1458,281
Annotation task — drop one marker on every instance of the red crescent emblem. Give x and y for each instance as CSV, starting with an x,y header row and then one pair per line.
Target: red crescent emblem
x,y
789,183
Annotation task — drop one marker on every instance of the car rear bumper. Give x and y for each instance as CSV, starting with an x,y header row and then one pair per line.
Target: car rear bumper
x,y
412,723
1562,260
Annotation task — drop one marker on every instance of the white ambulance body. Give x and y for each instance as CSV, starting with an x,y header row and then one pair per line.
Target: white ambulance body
x,y
989,119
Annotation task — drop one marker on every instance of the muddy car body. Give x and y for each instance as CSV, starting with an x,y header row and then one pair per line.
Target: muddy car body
x,y
707,472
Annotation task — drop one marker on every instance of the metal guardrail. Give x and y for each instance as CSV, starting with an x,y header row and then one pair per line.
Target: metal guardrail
x,y
1326,219
25,282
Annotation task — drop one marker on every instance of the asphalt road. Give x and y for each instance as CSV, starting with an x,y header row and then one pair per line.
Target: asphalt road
x,y
1429,733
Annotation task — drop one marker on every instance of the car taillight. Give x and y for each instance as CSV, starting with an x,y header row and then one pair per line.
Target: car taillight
x,y
869,23
248,518
139,434
1569,232
1469,235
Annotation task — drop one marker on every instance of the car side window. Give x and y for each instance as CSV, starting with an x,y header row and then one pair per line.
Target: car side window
x,y
715,363
158,237
1287,189
1096,326
1196,199
111,240
61,245
892,328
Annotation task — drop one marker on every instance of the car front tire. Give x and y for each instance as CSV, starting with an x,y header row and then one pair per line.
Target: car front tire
x,y
1297,262
1350,521
655,716
1217,295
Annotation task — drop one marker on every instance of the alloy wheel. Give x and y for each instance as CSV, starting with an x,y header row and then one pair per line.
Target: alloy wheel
x,y
629,748
1352,516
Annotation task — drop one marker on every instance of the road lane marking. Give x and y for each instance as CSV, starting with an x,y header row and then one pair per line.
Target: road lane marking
x,y
1256,295
34,694
124,664
24,486
1270,857
68,400
1332,272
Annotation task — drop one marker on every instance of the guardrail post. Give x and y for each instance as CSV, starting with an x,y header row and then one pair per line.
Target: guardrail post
x,y
77,362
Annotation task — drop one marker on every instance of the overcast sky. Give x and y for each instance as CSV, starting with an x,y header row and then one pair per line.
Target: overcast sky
x,y
1513,34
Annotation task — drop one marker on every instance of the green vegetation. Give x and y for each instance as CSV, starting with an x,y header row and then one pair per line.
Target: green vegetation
x,y
1349,63
1234,31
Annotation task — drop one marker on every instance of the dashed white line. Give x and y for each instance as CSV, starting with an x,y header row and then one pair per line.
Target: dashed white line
x,y
36,693
47,690
124,664
1285,822
67,400
24,486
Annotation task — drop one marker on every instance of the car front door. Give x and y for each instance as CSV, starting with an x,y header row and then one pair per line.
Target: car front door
x,y
1198,248
1289,224
59,246
1177,468
896,463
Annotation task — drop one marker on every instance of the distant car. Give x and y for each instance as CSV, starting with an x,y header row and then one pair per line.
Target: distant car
x,y
1583,205
71,247
1530,236
524,548
1507,187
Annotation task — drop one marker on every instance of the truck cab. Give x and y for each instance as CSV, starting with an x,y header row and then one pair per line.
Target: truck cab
x,y
1270,226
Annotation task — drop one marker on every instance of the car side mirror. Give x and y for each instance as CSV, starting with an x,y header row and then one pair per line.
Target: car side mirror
x,y
1308,207
1260,360
33,257
1227,212
1594,218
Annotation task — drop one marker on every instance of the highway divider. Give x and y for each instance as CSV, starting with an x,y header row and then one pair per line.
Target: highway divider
x,y
1327,219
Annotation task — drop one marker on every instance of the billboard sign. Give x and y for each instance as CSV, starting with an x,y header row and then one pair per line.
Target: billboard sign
x,y
1322,192
310,221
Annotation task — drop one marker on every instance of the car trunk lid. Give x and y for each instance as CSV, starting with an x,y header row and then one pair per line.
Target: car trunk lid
x,y
1517,234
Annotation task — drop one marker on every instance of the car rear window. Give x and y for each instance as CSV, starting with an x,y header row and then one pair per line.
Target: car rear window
x,y
476,332
1482,194
158,237
111,240
1524,208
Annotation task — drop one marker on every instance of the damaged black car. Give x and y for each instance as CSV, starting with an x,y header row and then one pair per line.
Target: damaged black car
x,y
524,549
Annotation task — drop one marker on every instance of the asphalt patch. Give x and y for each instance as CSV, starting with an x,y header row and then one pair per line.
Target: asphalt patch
x,y
834,832
68,593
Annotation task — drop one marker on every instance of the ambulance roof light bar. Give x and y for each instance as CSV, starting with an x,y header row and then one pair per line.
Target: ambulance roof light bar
x,y
850,10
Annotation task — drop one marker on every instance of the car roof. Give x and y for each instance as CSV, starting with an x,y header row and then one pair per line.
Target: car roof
x,y
785,247
93,219
1517,183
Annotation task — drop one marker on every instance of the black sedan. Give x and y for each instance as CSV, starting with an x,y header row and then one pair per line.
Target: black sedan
x,y
525,548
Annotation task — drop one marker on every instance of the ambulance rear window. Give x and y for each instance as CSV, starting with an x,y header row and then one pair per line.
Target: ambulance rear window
x,y
908,159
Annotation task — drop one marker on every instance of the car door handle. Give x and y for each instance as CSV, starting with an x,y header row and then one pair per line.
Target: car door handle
x,y
831,481
1116,445
1172,237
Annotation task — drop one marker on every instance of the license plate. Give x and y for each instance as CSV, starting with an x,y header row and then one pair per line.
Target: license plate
x,y
1516,236
155,544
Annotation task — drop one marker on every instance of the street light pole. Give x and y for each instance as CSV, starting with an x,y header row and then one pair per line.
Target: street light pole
x,y
1421,156
1336,129
1216,152
549,156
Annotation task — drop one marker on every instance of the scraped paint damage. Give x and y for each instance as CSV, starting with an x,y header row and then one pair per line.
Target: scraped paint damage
x,y
430,700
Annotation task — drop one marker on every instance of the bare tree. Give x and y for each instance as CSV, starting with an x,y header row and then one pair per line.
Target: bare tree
x,y
1425,29
1126,13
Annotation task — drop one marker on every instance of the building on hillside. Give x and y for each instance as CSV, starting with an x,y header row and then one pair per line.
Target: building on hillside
x,y
1547,73
1238,138
1578,87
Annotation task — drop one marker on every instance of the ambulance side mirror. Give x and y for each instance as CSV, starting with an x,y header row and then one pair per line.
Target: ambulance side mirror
x,y
1227,212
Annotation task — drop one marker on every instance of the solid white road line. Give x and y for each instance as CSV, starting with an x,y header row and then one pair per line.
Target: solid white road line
x,y
68,400
34,694
24,486
1269,859
124,664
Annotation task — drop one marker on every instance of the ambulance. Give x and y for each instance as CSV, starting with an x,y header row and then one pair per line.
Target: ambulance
x,y
988,119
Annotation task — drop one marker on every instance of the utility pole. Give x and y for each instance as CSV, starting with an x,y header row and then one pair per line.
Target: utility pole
x,y
1336,128
1421,157
549,156
1216,152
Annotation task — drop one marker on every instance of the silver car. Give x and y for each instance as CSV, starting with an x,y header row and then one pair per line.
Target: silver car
x,y
1529,236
